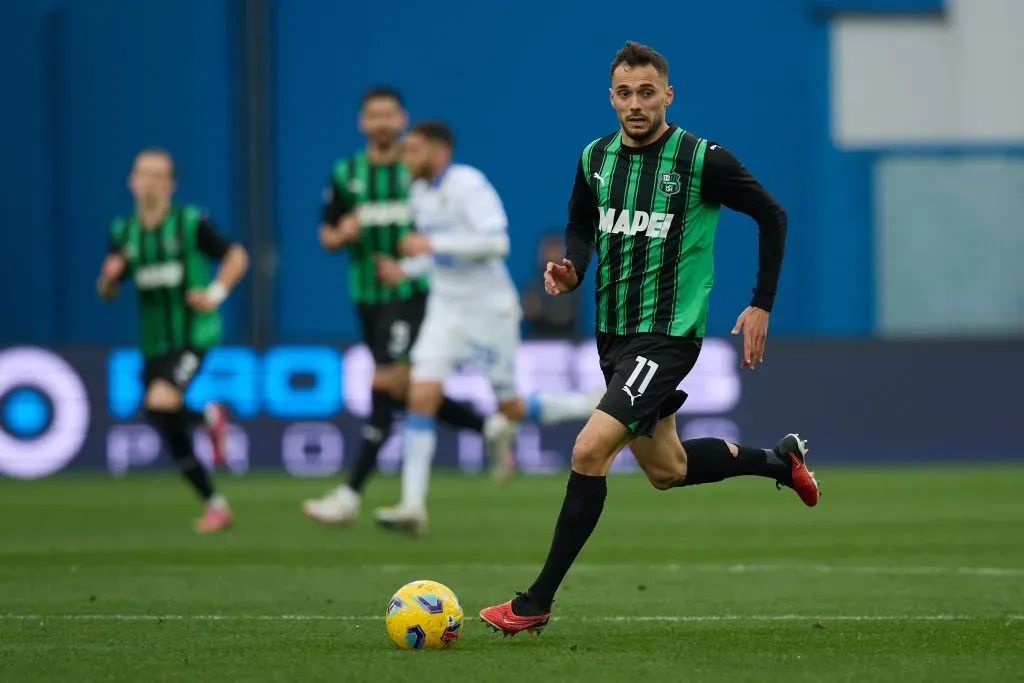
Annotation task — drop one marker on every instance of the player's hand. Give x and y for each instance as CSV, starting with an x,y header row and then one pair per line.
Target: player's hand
x,y
753,323
106,287
414,244
200,300
113,266
388,270
560,278
334,237
110,273
330,238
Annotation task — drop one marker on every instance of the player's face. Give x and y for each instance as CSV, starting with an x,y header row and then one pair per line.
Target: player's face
x,y
382,120
640,96
152,179
418,155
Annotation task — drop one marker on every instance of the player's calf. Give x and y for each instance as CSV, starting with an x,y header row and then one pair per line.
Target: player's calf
x,y
164,410
661,457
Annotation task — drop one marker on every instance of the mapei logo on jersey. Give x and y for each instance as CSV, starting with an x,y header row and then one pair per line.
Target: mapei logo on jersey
x,y
159,275
384,213
634,222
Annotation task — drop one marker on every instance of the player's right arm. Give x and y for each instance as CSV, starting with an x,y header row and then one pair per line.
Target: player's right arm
x,y
560,278
115,266
339,224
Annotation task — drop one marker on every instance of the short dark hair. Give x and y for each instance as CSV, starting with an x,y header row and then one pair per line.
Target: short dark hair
x,y
158,152
635,54
383,92
437,131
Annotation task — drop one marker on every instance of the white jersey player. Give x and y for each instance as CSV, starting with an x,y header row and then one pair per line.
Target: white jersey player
x,y
473,312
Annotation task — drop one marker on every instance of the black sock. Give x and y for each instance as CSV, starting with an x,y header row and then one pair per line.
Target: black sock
x,y
375,433
460,415
710,460
584,500
174,427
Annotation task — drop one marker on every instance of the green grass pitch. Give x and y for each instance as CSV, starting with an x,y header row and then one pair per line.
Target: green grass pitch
x,y
898,575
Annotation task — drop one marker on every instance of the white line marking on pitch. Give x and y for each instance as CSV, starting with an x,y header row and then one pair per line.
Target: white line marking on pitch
x,y
625,618
874,570
739,568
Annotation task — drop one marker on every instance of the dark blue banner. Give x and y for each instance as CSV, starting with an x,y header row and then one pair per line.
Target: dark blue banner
x,y
299,408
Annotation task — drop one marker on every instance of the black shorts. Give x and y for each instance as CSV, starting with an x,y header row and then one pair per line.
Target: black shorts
x,y
177,367
390,329
642,373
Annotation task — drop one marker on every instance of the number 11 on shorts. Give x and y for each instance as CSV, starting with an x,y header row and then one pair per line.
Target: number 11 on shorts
x,y
652,368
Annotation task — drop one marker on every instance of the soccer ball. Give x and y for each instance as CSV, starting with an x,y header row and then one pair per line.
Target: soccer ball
x,y
424,615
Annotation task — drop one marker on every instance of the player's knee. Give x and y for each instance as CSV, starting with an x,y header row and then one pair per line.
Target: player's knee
x,y
591,455
425,397
382,379
398,387
162,397
514,409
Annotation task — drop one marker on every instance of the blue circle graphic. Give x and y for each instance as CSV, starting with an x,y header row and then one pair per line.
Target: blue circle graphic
x,y
26,412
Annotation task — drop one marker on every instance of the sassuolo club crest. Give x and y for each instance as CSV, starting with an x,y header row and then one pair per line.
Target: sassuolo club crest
x,y
669,183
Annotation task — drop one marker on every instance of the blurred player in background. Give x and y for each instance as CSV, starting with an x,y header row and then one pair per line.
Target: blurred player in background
x,y
366,210
167,250
473,312
648,197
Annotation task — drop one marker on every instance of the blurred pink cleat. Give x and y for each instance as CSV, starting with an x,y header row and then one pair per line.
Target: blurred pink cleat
x,y
216,518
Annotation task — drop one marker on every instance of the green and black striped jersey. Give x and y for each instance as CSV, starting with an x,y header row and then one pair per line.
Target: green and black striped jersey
x,y
380,193
651,213
165,262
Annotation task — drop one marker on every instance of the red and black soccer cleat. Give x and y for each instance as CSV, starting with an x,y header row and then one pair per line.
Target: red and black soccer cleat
x,y
791,449
502,618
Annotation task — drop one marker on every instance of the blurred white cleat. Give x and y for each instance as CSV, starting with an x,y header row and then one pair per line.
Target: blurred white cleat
x,y
499,433
340,506
403,518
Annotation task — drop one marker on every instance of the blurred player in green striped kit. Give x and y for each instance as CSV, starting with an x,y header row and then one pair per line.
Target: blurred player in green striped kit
x,y
167,249
366,211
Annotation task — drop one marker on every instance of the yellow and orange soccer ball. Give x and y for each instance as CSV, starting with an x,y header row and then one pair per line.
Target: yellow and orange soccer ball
x,y
424,615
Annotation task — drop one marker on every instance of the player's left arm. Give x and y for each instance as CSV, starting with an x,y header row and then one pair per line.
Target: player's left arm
x,y
483,212
115,265
393,271
234,262
339,217
726,181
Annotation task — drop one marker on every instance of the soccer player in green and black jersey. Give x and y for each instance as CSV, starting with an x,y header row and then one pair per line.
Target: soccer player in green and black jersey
x,y
167,250
647,198
366,210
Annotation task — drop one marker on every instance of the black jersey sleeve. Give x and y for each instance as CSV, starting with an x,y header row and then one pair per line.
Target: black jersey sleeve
x,y
210,241
726,181
337,202
579,231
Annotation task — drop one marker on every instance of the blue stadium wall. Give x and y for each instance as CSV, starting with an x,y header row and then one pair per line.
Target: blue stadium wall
x,y
87,82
